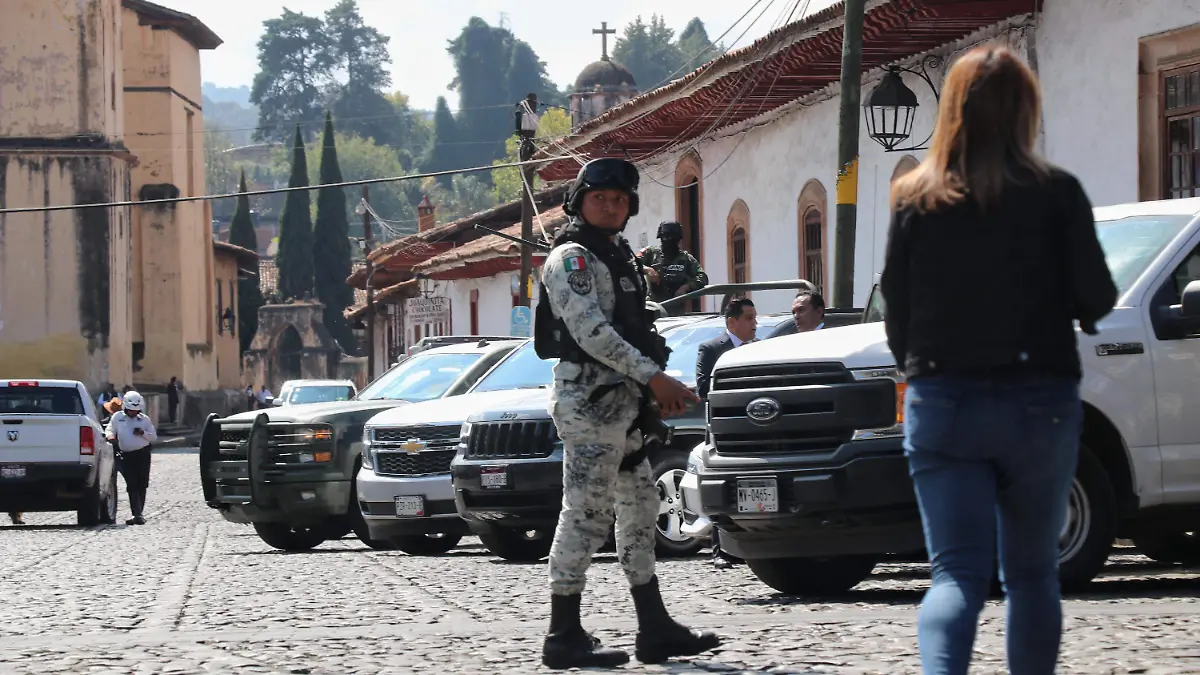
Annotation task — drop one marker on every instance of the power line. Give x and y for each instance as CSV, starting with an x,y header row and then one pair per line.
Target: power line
x,y
271,191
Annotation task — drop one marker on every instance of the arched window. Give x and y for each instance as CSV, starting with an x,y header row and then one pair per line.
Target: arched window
x,y
813,228
689,212
737,227
907,163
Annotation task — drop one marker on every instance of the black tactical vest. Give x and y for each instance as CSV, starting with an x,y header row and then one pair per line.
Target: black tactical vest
x,y
630,319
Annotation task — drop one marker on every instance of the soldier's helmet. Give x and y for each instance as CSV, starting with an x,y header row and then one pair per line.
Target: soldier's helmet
x,y
669,230
603,174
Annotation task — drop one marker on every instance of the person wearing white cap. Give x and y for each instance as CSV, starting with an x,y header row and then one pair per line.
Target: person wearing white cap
x,y
132,433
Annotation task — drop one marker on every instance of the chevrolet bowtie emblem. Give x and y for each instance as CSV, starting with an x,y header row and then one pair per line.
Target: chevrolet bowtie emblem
x,y
413,446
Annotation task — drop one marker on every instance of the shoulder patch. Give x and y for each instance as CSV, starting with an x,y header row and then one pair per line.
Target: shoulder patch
x,y
627,285
580,282
574,263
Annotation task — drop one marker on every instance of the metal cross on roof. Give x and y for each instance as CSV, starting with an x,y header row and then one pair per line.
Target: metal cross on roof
x,y
604,31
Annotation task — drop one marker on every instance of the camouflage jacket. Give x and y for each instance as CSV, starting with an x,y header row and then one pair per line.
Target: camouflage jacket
x,y
680,269
580,290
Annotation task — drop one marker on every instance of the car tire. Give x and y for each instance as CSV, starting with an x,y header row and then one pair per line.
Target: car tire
x,y
518,545
108,514
668,470
813,576
91,512
1091,526
426,544
1173,547
287,538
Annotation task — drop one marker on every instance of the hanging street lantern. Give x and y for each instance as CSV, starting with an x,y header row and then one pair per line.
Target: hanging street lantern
x,y
891,107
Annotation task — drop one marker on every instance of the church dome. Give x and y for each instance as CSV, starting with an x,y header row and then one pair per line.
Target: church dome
x,y
605,75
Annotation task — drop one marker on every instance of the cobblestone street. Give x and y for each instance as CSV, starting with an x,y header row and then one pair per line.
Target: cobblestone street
x,y
190,593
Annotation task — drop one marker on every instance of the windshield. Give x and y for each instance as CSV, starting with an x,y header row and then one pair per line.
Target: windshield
x,y
521,370
421,377
1130,244
320,394
685,342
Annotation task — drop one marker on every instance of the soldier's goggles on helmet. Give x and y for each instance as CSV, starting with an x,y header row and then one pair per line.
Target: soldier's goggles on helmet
x,y
611,173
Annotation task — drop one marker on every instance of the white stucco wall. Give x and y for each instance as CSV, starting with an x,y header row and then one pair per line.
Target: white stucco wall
x,y
1087,52
495,303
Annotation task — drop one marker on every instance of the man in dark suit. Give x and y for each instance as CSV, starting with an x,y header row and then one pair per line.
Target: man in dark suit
x,y
741,322
808,314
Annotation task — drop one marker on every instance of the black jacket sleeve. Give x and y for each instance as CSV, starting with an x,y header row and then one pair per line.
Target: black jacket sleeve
x,y
894,284
706,358
1089,281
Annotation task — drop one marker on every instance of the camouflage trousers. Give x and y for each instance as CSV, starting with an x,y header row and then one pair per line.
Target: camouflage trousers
x,y
596,437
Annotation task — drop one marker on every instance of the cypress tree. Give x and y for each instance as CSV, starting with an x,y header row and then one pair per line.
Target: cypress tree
x,y
250,298
331,244
295,257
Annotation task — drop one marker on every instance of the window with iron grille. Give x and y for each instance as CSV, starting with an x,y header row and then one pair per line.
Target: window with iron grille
x,y
814,268
738,240
1181,151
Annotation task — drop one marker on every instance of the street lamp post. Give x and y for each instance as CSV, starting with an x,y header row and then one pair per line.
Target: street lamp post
x,y
526,122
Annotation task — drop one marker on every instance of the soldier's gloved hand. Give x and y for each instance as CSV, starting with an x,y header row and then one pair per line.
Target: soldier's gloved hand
x,y
671,394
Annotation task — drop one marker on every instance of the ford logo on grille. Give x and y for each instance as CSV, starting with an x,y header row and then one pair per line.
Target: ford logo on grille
x,y
763,410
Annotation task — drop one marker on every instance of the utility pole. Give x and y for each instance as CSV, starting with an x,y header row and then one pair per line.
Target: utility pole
x,y
847,180
367,240
526,128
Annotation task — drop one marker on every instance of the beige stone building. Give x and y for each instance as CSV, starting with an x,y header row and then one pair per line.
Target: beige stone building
x,y
64,275
99,102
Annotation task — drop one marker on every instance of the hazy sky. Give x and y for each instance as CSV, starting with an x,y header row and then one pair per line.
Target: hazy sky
x,y
419,30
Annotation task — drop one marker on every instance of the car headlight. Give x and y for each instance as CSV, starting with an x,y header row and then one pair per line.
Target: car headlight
x,y
310,434
901,387
465,432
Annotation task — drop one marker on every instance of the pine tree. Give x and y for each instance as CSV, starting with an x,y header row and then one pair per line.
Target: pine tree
x,y
331,244
295,257
250,298
445,153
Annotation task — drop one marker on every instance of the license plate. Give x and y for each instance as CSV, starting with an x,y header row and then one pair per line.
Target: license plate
x,y
410,506
12,471
757,495
493,477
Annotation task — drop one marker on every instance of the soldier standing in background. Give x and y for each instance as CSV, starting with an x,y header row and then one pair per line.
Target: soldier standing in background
x,y
592,317
670,270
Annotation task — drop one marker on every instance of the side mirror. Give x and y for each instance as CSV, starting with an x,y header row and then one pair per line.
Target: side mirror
x,y
272,401
1190,303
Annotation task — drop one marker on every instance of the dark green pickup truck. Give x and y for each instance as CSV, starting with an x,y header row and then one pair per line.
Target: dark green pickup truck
x,y
290,471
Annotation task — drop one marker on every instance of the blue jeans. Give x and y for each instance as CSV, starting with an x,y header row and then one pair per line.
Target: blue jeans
x,y
992,461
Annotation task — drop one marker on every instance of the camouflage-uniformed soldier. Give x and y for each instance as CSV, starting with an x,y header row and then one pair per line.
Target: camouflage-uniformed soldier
x,y
671,270
592,316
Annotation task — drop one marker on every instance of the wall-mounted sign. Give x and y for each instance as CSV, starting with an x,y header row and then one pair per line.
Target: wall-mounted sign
x,y
420,311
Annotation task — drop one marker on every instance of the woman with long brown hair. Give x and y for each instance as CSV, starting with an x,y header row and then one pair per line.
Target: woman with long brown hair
x,y
992,255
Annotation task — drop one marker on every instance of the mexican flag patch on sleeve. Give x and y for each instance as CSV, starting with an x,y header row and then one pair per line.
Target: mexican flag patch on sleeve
x,y
574,263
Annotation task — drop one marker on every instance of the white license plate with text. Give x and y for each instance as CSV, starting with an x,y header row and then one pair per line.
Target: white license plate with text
x,y
12,471
757,495
493,477
410,506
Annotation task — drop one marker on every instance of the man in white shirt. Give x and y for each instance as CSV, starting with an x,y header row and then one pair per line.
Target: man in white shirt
x,y
132,433
808,314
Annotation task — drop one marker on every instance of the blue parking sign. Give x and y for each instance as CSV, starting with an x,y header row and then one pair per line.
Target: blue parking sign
x,y
522,322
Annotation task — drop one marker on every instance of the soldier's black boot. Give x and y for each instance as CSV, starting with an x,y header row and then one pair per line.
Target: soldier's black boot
x,y
568,645
659,636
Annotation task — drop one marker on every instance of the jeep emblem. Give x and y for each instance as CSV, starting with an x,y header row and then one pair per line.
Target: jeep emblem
x,y
763,410
509,416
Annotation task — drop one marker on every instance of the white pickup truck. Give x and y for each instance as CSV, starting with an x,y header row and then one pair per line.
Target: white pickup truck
x,y
803,470
53,454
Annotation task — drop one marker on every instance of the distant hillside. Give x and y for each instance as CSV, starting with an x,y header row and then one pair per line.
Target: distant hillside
x,y
239,95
